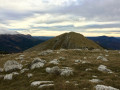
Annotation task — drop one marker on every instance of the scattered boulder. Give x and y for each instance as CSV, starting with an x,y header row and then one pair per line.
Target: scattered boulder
x,y
8,76
55,61
53,70
95,80
29,75
102,58
47,52
61,58
12,65
37,59
81,61
67,82
103,68
45,85
21,57
36,83
37,63
15,73
23,70
88,69
67,71
103,87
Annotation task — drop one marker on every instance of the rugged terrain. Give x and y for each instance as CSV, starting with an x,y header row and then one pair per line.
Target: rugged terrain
x,y
111,43
17,42
85,70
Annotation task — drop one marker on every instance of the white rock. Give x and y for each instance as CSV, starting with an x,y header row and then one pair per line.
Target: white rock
x,y
88,69
23,70
8,77
103,68
61,58
81,61
106,55
55,61
45,85
85,57
15,73
54,70
37,65
94,76
47,52
37,59
106,50
67,82
21,57
66,72
101,58
36,83
103,87
95,80
29,75
78,61
12,65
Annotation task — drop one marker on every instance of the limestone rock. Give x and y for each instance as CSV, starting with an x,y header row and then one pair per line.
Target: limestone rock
x,y
12,65
8,77
103,68
103,87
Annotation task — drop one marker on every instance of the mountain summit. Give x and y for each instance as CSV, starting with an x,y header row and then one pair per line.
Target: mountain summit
x,y
70,40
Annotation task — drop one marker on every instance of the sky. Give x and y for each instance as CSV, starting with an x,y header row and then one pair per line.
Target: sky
x,y
54,17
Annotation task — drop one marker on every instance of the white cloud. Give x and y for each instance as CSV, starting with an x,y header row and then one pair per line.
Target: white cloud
x,y
6,31
60,15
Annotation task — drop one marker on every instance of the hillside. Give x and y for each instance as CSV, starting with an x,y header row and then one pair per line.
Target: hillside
x,y
17,43
63,69
111,43
70,40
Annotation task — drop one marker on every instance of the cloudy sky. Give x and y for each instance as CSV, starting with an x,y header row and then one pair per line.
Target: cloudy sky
x,y
53,17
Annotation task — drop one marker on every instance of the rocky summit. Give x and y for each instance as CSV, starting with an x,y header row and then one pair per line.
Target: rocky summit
x,y
70,40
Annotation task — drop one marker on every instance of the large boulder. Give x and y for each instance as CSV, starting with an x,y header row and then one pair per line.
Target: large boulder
x,y
103,68
53,70
12,65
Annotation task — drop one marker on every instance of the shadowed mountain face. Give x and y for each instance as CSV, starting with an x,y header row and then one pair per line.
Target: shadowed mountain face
x,y
67,41
17,43
107,42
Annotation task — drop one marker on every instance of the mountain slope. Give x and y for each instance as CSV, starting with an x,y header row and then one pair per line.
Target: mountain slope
x,y
17,43
107,42
67,41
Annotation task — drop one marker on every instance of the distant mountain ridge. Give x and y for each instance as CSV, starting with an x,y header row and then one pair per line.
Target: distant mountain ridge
x,y
111,43
17,42
70,40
